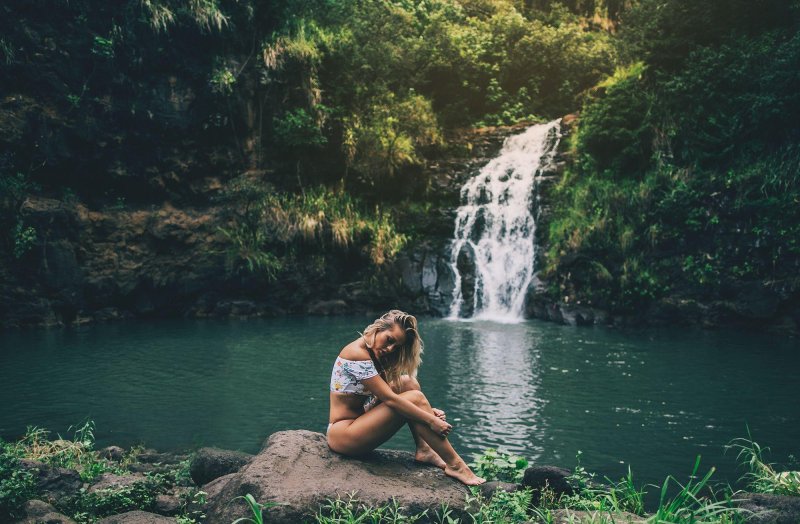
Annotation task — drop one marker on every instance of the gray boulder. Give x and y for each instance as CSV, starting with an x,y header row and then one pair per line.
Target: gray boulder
x,y
52,482
213,488
489,488
115,453
137,517
167,505
211,463
553,478
37,511
764,508
112,481
299,471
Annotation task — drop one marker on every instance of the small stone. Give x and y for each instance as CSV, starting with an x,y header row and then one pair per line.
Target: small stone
x,y
115,453
168,505
489,488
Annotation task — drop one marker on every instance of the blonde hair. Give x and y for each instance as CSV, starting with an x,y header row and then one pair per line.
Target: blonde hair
x,y
406,359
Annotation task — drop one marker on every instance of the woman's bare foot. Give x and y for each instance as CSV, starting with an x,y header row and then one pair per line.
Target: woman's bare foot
x,y
428,456
462,473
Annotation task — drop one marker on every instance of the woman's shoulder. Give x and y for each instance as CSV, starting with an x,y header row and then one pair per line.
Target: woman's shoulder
x,y
354,351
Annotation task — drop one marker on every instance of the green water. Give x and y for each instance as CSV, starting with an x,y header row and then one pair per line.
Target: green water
x,y
650,399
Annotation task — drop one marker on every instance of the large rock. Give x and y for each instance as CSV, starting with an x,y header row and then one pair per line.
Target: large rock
x,y
37,511
210,463
298,470
770,509
552,478
113,481
138,517
53,483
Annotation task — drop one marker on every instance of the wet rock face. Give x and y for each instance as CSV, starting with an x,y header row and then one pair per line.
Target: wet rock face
x,y
298,469
211,463
427,280
465,262
770,509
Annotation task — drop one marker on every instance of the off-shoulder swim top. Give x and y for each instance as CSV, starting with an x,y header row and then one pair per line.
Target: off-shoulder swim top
x,y
348,374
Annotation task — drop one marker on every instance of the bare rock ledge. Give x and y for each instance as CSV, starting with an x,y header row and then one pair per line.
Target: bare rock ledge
x,y
298,470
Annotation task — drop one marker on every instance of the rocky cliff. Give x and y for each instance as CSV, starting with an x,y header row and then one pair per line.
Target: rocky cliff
x,y
99,264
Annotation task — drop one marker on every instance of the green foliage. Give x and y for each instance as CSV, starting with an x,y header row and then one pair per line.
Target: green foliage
x,y
222,81
684,162
299,128
269,227
191,501
6,51
256,508
13,191
103,47
352,511
204,14
496,464
761,476
690,506
87,507
502,507
611,497
614,134
24,239
386,136
17,484
75,453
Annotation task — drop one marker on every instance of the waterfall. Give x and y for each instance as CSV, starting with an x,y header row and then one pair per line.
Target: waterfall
x,y
493,249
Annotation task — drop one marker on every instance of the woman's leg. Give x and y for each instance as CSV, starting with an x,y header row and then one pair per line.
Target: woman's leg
x,y
370,430
424,452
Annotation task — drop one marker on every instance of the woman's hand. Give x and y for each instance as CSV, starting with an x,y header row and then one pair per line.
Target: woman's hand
x,y
439,413
440,427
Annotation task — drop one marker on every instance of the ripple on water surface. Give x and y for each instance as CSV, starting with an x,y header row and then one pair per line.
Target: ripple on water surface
x,y
651,399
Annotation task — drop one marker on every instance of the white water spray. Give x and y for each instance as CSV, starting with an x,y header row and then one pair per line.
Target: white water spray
x,y
495,227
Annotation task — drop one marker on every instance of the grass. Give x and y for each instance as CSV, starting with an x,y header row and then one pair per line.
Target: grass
x,y
352,511
696,501
762,477
271,230
76,452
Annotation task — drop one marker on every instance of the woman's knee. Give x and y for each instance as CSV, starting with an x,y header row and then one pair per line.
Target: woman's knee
x,y
416,396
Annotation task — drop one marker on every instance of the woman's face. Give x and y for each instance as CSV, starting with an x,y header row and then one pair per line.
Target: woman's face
x,y
389,340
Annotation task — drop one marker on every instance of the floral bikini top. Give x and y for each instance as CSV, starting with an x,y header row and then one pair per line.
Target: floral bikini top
x,y
348,374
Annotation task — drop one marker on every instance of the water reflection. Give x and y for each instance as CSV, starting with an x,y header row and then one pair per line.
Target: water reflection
x,y
650,399
494,377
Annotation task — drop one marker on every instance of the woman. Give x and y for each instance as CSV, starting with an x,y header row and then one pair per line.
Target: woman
x,y
374,392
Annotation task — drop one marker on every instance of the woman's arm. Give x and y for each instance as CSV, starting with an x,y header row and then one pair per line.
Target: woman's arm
x,y
386,394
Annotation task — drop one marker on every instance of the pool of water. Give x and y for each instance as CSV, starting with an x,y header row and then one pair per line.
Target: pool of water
x,y
652,400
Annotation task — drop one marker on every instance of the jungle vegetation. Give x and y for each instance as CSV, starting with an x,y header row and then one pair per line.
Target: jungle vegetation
x,y
684,158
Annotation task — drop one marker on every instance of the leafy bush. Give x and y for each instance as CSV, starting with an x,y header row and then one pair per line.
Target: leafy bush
x,y
87,507
496,464
268,228
17,484
615,133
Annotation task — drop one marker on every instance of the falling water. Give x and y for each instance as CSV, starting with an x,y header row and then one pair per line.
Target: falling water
x,y
493,249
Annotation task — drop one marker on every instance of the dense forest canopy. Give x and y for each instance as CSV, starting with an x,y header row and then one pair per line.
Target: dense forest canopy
x,y
683,178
